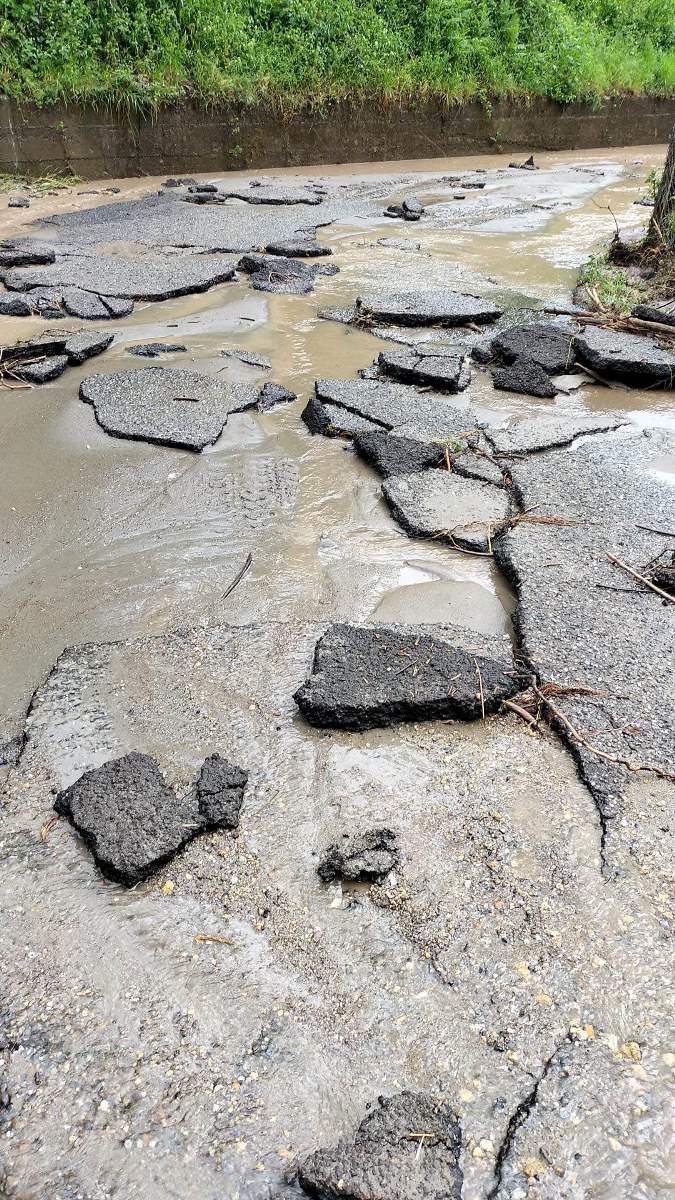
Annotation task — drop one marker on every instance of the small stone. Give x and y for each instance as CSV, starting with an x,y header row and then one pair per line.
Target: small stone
x,y
18,202
360,856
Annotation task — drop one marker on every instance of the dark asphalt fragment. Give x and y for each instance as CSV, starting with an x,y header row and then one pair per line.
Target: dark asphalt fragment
x,y
391,455
83,345
350,405
365,677
548,345
247,356
463,512
49,302
298,248
435,307
275,273
18,202
444,370
11,750
636,360
360,857
144,277
14,306
272,394
406,1148
43,371
154,349
22,256
165,405
524,376
220,792
133,822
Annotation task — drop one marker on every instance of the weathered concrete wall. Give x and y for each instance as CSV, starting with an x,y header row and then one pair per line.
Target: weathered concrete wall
x,y
95,143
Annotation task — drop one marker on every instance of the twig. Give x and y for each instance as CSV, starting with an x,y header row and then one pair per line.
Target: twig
x,y
238,578
583,741
213,937
661,532
480,686
618,562
522,712
48,826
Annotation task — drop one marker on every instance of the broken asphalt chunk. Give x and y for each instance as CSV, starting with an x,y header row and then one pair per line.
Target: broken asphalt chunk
x,y
165,405
445,371
144,277
524,376
636,360
365,677
464,513
406,1148
363,857
133,821
548,345
220,792
298,248
154,349
391,455
272,394
435,307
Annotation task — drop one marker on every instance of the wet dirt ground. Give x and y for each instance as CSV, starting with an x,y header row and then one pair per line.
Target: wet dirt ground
x,y
498,965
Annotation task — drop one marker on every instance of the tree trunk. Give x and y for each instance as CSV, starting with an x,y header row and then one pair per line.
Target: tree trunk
x,y
662,224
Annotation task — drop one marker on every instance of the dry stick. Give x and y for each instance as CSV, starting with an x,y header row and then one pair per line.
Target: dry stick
x,y
618,562
48,826
213,937
238,578
522,712
661,532
616,322
579,737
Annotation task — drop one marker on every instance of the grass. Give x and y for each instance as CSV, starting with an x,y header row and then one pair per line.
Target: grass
x,y
140,53
39,186
608,286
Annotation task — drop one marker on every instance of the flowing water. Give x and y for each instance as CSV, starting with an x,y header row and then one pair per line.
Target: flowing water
x,y
105,538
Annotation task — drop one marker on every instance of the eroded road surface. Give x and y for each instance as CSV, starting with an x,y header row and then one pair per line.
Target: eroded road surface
x,y
337,696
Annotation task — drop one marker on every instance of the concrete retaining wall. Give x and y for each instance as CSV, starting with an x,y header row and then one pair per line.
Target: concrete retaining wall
x,y
183,138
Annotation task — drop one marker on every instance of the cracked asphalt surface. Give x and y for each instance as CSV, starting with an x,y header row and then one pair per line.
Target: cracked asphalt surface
x,y
206,1032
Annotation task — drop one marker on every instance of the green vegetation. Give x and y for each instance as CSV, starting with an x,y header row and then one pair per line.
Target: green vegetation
x,y
45,183
141,52
609,286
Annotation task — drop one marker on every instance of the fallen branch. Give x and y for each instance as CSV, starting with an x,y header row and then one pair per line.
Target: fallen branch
x,y
618,562
615,321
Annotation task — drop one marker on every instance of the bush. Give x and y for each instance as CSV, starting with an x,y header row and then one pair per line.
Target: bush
x,y
140,52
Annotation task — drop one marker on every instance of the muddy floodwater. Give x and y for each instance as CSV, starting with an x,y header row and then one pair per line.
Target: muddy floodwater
x,y
198,1035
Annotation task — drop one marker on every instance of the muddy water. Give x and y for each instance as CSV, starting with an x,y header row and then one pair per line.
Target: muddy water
x,y
104,538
